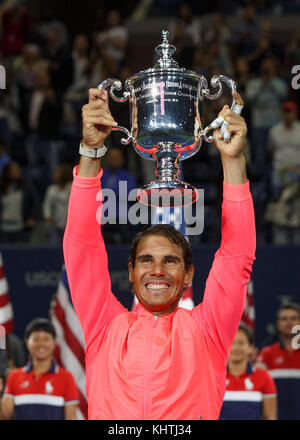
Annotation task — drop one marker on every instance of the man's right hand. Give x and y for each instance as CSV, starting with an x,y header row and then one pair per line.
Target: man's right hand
x,y
97,121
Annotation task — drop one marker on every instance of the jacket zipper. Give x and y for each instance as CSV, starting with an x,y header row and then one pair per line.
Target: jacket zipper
x,y
147,370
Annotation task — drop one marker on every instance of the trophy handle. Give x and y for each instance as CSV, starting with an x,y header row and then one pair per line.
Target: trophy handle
x,y
216,81
115,84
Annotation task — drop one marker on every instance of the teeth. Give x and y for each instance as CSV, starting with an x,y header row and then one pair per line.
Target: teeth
x,y
157,286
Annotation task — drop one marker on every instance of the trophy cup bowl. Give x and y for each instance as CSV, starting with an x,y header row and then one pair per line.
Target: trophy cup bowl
x,y
166,122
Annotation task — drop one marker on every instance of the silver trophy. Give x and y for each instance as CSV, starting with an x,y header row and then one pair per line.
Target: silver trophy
x,y
166,122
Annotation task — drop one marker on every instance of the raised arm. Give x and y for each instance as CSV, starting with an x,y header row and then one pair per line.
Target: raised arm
x,y
84,249
220,312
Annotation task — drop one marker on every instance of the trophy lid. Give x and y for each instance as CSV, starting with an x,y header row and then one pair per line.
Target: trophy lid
x,y
165,52
165,63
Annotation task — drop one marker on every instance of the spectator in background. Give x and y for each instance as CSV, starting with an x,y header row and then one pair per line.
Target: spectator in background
x,y
202,62
103,63
282,359
15,28
190,23
135,164
219,35
55,206
44,108
16,357
74,97
5,100
250,391
265,47
44,117
220,59
115,171
26,65
100,66
25,72
264,95
217,30
284,147
114,39
209,59
9,123
80,56
184,50
60,64
293,49
242,76
11,358
41,390
48,18
292,59
18,205
118,179
4,157
246,34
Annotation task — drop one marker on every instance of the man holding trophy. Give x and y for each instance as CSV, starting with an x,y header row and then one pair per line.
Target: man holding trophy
x,y
160,362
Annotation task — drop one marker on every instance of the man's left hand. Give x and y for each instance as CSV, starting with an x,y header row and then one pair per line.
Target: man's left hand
x,y
236,127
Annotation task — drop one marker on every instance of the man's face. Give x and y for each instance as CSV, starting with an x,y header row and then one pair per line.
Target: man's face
x,y
159,275
286,321
289,116
40,345
268,67
241,348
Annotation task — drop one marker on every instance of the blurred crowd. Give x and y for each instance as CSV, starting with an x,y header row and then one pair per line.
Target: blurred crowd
x,y
49,72
168,7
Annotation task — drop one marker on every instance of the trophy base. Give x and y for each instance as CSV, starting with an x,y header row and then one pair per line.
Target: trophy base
x,y
164,194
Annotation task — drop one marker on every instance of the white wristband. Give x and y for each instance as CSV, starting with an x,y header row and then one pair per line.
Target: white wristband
x,y
93,153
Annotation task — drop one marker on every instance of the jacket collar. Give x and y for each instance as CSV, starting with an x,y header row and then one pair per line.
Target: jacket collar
x,y
142,312
249,370
53,369
283,347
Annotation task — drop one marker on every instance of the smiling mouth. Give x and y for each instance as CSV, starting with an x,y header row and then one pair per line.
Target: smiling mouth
x,y
157,287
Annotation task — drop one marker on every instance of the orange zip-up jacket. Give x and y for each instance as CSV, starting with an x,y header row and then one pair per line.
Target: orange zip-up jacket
x,y
139,366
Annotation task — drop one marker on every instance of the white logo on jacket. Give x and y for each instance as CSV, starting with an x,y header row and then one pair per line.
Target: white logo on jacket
x,y
279,360
248,384
48,387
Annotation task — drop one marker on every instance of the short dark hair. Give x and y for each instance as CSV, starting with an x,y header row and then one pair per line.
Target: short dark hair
x,y
40,324
288,305
171,234
248,332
